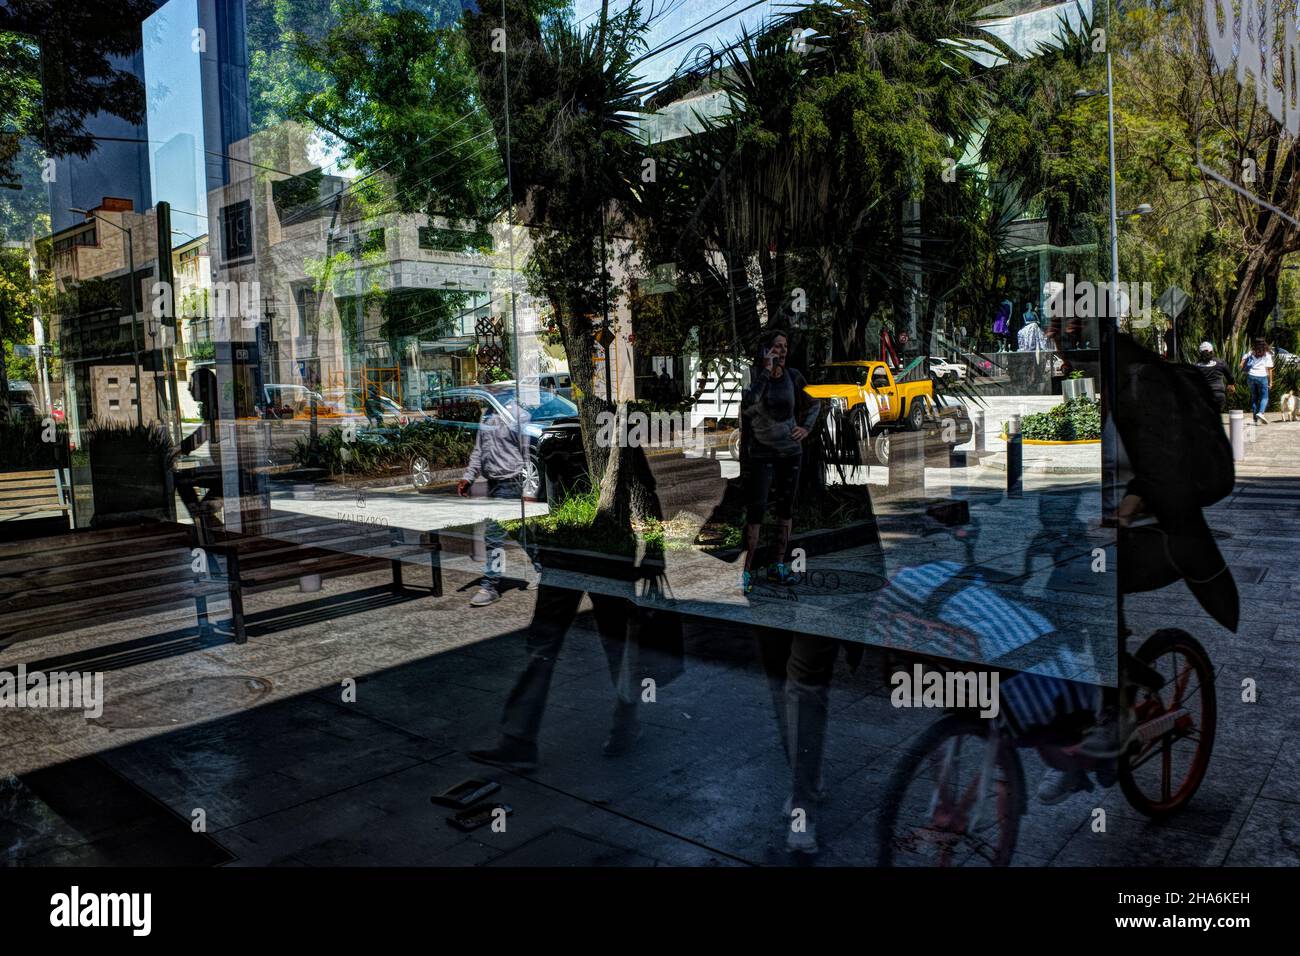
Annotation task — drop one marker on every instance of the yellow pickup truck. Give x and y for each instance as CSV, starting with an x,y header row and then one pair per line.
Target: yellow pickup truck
x,y
866,395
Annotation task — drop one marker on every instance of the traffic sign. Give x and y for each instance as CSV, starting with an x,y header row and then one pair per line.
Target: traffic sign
x,y
1172,301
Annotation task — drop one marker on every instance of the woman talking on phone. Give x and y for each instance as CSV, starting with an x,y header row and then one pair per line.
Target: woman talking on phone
x,y
773,448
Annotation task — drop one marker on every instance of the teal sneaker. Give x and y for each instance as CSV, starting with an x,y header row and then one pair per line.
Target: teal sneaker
x,y
780,574
746,582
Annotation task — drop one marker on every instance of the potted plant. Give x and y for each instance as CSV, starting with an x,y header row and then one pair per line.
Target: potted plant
x,y
131,472
1077,386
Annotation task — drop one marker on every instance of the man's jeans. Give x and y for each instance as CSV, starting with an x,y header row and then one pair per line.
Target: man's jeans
x,y
494,536
1258,394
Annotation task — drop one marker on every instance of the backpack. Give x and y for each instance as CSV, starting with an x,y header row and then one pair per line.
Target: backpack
x,y
1168,419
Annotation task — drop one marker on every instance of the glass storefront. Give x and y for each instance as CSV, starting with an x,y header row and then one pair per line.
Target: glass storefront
x,y
764,351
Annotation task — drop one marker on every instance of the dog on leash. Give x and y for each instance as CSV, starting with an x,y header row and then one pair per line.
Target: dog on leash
x,y
1290,407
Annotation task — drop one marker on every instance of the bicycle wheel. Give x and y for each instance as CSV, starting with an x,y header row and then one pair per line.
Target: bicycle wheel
x,y
1175,726
953,799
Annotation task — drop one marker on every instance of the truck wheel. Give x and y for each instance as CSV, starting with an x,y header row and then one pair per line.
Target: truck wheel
x,y
916,414
421,473
860,432
880,446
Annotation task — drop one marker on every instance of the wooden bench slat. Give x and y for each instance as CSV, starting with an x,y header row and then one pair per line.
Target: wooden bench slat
x,y
18,490
86,548
291,571
262,550
11,476
26,504
56,584
164,558
47,620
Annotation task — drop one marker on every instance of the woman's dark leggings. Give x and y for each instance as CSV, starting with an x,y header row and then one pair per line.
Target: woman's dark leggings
x,y
776,477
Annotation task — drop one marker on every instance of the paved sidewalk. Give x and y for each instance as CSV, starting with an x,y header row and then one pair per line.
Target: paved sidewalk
x,y
288,771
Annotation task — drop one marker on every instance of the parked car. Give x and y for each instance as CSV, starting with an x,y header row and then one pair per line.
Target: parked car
x,y
946,371
22,401
289,401
351,403
556,460
561,383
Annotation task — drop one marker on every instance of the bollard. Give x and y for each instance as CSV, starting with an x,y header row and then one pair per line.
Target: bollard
x,y
1015,459
977,418
1237,429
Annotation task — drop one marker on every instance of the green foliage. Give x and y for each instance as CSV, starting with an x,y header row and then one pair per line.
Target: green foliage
x,y
21,447
1286,378
393,88
1076,420
59,69
377,452
119,442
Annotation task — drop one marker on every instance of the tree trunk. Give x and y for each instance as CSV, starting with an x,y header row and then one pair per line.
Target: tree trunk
x,y
1242,313
4,380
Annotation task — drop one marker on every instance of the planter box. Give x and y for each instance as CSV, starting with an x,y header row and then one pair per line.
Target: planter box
x,y
130,488
1072,388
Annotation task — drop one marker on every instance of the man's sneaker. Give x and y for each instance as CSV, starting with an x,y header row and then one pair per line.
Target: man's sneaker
x,y
510,754
1057,785
1110,736
484,597
746,582
780,574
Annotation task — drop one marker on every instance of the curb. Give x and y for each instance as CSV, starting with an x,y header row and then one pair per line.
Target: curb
x,y
998,462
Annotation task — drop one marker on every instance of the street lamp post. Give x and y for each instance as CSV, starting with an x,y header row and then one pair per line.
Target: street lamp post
x,y
135,312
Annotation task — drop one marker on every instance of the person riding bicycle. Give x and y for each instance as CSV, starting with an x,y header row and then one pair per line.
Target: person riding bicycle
x,y
1176,460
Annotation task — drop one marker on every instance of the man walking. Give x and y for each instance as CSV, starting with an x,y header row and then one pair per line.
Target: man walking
x,y
1258,364
498,455
1215,371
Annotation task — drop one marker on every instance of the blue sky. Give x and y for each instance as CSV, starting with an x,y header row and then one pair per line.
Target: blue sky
x,y
175,116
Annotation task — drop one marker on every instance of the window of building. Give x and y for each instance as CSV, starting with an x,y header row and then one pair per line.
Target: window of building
x,y
237,231
306,303
455,240
86,237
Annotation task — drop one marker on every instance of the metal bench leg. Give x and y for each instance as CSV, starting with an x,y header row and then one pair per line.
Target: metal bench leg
x,y
397,576
201,610
236,597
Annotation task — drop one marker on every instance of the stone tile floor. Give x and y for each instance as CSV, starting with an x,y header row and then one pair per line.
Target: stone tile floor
x,y
260,739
